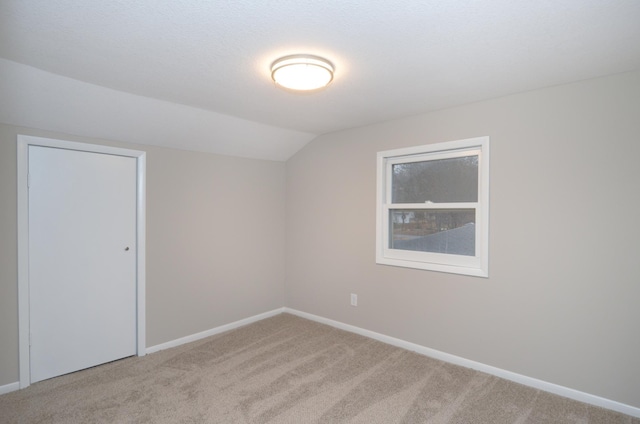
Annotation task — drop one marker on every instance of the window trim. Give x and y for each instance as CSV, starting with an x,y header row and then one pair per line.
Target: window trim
x,y
477,265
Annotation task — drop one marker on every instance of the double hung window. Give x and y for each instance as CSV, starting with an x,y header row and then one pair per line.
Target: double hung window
x,y
433,207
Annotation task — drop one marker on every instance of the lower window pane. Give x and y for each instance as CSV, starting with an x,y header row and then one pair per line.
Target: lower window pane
x,y
450,231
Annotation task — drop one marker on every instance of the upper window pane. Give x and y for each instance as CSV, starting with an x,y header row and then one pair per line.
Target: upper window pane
x,y
437,181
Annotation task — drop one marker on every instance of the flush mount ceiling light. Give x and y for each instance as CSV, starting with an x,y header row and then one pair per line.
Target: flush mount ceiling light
x,y
302,72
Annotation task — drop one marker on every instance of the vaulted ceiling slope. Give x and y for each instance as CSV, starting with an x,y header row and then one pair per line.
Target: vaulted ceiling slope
x,y
210,60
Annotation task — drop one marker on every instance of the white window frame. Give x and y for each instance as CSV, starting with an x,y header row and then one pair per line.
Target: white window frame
x,y
477,265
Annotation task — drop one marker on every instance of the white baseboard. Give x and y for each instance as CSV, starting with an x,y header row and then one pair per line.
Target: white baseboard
x,y
498,372
213,331
9,387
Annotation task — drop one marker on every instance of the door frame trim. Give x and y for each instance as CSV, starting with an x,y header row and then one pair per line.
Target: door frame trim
x,y
24,141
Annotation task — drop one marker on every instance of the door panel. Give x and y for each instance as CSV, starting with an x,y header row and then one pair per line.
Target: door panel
x,y
82,277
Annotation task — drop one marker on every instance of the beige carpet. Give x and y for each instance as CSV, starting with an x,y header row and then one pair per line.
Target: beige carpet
x,y
287,369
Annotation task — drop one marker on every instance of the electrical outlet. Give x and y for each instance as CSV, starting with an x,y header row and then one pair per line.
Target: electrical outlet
x,y
354,299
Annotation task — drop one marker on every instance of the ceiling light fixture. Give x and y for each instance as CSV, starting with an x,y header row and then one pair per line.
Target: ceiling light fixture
x,y
302,72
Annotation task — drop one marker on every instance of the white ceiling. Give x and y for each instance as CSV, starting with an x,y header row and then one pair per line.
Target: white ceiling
x,y
392,58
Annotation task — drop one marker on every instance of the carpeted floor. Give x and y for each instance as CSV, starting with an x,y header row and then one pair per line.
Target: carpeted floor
x,y
287,369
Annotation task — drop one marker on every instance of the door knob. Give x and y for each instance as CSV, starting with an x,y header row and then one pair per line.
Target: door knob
x,y
126,249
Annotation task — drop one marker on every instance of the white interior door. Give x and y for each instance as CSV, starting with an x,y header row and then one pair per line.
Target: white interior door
x,y
82,259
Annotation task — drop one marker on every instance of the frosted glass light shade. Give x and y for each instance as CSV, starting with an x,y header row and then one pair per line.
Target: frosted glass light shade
x,y
302,72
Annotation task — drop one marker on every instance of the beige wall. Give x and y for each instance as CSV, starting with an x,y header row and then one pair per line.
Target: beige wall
x,y
561,303
215,241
